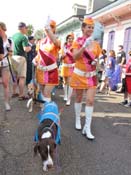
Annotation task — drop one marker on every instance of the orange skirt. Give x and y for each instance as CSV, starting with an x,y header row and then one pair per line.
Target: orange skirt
x,y
66,71
49,78
81,82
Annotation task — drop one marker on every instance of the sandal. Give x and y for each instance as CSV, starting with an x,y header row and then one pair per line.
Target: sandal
x,y
14,95
23,98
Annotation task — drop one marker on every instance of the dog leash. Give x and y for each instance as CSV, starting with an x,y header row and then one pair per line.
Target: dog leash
x,y
57,161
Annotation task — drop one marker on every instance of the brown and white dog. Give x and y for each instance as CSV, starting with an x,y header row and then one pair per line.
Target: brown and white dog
x,y
32,91
48,134
34,94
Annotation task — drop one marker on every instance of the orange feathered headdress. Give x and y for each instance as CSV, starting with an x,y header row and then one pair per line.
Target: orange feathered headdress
x,y
88,20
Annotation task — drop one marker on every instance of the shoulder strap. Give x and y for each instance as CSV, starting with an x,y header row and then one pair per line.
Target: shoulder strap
x,y
9,40
9,45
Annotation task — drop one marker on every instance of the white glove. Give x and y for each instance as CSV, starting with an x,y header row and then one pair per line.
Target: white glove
x,y
88,41
47,24
94,62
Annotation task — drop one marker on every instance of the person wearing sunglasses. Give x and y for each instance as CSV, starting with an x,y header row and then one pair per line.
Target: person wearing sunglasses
x,y
85,52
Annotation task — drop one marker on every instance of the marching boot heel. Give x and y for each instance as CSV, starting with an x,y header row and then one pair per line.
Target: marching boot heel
x,y
90,136
84,131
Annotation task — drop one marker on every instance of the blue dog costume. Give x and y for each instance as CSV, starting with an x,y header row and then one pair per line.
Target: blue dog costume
x,y
51,112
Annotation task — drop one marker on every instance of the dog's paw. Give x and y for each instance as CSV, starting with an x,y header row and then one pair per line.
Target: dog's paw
x,y
45,168
30,110
29,102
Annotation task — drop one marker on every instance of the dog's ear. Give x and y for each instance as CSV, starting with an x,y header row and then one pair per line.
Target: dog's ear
x,y
36,148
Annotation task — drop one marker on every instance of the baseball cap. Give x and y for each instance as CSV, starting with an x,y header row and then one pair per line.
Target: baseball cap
x,y
3,26
21,25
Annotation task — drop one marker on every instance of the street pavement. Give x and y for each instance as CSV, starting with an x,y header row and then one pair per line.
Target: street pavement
x,y
108,154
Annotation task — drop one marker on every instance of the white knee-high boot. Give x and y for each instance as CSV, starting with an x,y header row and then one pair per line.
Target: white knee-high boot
x,y
70,90
87,127
65,92
77,107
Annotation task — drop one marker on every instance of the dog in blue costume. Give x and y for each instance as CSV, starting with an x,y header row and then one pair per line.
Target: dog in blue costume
x,y
47,135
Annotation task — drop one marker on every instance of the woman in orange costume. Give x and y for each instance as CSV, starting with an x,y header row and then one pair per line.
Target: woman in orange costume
x,y
85,51
67,67
46,60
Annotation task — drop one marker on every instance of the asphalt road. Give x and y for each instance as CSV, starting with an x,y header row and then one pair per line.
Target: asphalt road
x,y
108,154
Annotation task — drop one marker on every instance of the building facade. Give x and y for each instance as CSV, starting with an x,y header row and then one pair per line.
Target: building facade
x,y
115,17
73,23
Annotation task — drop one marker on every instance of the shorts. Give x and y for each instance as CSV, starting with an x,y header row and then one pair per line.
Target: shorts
x,y
19,65
2,69
103,76
99,76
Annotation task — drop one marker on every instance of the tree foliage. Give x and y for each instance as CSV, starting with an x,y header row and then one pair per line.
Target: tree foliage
x,y
30,30
39,34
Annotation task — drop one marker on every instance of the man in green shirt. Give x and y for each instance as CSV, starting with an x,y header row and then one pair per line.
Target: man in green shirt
x,y
21,47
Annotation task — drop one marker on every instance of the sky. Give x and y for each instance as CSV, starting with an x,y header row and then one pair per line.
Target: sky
x,y
35,12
